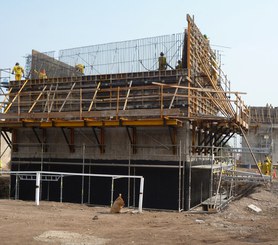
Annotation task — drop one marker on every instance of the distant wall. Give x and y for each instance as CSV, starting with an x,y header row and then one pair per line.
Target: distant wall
x,y
52,66
263,140
262,135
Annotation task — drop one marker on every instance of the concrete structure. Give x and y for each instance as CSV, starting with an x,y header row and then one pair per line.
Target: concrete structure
x,y
262,134
127,117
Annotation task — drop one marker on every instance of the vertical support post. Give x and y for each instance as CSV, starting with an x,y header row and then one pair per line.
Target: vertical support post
x,y
118,101
129,180
89,186
42,150
61,189
218,188
134,188
211,176
188,60
10,188
80,105
193,139
189,47
83,168
200,140
140,205
189,184
161,101
179,205
112,191
183,185
16,187
38,181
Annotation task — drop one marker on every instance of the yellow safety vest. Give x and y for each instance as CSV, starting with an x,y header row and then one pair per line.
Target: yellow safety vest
x,y
18,70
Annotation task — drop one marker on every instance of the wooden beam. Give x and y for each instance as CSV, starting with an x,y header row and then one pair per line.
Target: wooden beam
x,y
65,100
16,96
127,95
95,95
37,99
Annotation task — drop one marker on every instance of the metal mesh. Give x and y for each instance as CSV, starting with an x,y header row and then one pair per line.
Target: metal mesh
x,y
128,56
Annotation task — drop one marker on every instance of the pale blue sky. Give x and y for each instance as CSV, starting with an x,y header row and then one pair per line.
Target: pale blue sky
x,y
248,27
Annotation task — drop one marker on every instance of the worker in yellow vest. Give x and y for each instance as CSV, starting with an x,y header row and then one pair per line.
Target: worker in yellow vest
x,y
260,165
80,68
42,74
264,167
268,165
179,65
162,63
18,71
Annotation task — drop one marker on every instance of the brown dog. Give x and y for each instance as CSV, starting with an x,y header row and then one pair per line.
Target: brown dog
x,y
117,205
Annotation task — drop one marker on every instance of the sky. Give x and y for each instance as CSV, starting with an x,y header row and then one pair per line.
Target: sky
x,y
244,31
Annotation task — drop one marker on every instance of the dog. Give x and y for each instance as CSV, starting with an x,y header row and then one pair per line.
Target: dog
x,y
117,205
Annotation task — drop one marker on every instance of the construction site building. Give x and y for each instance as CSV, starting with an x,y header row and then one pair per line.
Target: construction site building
x,y
262,135
124,116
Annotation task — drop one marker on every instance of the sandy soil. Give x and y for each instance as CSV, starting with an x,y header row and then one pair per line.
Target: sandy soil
x,y
22,222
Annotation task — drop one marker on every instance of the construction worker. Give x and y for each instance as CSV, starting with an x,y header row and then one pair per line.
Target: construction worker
x,y
179,65
18,71
264,167
260,165
80,68
268,165
268,159
42,74
162,63
274,175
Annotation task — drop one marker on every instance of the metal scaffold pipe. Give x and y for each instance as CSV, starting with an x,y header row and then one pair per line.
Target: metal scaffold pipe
x,y
140,205
38,180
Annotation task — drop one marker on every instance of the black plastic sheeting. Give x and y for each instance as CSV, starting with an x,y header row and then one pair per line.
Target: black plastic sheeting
x,y
161,187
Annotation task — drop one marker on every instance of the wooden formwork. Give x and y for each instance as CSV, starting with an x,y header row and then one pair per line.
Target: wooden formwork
x,y
197,93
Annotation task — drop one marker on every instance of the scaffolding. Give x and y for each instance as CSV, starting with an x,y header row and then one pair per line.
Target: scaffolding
x,y
5,77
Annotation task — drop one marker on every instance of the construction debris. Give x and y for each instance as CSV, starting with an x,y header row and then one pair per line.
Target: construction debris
x,y
254,208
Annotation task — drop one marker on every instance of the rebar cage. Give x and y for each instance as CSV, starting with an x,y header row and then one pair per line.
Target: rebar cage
x,y
128,56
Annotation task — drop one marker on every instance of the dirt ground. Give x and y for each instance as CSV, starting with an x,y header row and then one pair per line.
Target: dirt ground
x,y
22,222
